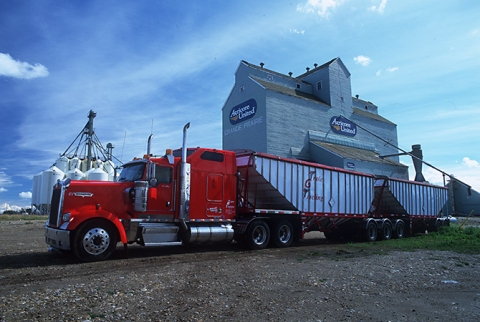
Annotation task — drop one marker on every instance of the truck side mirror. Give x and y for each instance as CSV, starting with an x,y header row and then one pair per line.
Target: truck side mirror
x,y
152,180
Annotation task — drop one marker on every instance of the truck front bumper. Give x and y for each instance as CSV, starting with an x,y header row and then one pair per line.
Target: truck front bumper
x,y
57,238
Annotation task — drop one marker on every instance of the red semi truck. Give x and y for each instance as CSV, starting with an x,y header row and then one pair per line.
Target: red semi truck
x,y
203,195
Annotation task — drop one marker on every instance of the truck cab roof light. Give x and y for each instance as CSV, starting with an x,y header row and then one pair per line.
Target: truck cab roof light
x,y
169,155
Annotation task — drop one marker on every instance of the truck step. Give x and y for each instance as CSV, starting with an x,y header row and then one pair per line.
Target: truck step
x,y
159,234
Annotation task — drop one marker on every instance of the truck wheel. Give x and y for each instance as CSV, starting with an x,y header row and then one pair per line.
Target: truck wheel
x,y
371,231
94,241
399,231
258,235
332,235
282,234
386,231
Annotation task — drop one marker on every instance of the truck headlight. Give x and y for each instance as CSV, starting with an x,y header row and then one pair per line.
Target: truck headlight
x,y
66,217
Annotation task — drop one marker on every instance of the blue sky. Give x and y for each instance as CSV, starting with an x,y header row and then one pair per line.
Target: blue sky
x,y
149,67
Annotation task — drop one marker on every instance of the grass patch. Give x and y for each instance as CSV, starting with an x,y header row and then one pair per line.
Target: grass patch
x,y
450,238
22,217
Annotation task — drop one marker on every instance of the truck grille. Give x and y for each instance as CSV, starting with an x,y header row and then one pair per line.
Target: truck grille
x,y
56,205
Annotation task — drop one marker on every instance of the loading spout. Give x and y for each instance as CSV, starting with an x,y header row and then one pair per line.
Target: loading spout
x,y
417,159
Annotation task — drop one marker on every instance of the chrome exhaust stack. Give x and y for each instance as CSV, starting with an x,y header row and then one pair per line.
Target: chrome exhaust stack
x,y
184,182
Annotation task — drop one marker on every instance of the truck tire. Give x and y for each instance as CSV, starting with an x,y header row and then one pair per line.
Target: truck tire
x,y
399,231
282,234
332,235
371,232
387,230
258,235
94,241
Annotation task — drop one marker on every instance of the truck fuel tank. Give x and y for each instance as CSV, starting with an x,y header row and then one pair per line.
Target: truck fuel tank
x,y
209,233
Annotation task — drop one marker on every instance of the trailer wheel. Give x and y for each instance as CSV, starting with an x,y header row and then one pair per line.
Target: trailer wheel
x,y
94,241
258,235
386,231
330,235
399,231
333,235
282,234
371,231
438,224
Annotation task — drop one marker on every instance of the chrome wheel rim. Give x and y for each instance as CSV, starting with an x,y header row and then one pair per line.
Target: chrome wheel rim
x,y
96,241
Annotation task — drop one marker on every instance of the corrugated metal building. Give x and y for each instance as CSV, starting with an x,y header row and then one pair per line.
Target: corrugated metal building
x,y
310,117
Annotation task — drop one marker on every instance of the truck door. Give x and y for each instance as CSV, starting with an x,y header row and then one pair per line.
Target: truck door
x,y
160,195
215,194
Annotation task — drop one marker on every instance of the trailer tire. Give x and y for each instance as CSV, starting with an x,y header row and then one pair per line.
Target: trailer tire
x,y
94,240
371,232
258,235
399,231
333,235
330,235
438,224
282,234
387,230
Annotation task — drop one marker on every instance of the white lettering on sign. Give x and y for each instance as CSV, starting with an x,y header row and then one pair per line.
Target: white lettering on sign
x,y
242,112
253,122
232,130
245,125
344,127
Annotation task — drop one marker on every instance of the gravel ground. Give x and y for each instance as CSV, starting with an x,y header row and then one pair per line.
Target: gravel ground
x,y
313,281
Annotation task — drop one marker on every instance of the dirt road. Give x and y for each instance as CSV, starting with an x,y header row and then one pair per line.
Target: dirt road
x,y
312,281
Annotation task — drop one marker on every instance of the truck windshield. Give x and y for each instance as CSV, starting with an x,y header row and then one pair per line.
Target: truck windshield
x,y
132,172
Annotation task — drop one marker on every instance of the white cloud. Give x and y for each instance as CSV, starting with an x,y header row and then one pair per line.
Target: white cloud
x,y
362,60
10,67
4,179
468,171
388,70
25,195
2,189
380,8
431,175
295,31
321,7
6,206
470,163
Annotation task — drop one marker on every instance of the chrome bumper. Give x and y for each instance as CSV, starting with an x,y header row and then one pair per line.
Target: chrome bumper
x,y
57,238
